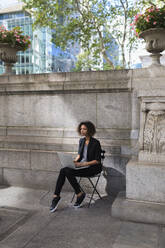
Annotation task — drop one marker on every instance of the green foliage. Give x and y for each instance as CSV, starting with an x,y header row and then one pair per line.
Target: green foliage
x,y
148,3
107,67
75,20
92,23
85,62
14,38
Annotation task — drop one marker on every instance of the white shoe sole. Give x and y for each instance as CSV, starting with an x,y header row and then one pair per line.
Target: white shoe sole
x,y
79,206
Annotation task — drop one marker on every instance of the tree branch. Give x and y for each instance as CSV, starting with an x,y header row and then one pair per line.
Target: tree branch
x,y
124,31
103,50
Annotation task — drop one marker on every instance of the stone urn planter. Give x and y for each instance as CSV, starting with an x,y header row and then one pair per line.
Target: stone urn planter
x,y
8,55
155,43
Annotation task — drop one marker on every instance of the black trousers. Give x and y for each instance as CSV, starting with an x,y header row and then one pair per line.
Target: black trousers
x,y
71,175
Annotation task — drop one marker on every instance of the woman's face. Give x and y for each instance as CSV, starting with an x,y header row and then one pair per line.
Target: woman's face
x,y
83,130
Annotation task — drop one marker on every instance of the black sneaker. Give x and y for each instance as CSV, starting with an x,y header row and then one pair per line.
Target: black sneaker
x,y
79,200
54,204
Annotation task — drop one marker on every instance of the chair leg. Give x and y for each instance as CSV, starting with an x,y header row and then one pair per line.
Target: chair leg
x,y
94,186
94,190
73,197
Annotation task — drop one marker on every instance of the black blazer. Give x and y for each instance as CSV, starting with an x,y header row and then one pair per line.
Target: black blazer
x,y
94,149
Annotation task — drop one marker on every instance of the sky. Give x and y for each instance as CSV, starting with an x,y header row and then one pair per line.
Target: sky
x,y
6,3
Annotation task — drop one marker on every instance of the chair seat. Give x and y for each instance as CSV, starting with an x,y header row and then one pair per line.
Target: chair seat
x,y
97,175
93,184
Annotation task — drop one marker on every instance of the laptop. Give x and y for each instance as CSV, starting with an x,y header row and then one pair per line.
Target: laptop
x,y
66,160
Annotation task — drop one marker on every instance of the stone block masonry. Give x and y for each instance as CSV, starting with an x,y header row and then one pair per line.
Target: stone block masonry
x,y
39,114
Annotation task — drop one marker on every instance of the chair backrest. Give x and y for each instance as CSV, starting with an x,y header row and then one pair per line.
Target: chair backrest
x,y
102,159
102,155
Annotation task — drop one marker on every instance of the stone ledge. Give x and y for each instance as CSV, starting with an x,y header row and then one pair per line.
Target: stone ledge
x,y
68,76
66,82
45,180
138,211
150,157
102,133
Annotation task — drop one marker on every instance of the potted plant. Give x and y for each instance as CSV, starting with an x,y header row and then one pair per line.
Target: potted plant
x,y
12,41
151,27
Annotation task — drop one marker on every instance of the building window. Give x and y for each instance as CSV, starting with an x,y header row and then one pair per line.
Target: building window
x,y
27,59
22,59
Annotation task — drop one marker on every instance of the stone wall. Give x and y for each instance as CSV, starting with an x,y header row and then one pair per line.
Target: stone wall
x,y
39,115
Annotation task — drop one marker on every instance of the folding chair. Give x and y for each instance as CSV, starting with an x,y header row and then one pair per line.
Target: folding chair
x,y
92,183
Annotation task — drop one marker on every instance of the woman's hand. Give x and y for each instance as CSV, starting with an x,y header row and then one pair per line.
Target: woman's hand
x,y
80,164
77,158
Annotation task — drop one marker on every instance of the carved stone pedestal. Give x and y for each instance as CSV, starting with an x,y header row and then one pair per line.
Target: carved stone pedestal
x,y
146,177
145,182
144,200
138,211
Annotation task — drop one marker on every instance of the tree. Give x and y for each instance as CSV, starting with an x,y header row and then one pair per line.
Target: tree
x,y
147,3
95,24
122,15
84,62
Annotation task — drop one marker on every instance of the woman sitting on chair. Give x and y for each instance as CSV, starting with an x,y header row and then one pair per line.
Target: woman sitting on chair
x,y
87,163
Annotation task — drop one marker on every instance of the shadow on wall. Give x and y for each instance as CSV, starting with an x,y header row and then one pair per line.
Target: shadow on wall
x,y
116,181
114,173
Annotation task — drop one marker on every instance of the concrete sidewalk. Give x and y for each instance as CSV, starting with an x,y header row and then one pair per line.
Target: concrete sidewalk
x,y
25,222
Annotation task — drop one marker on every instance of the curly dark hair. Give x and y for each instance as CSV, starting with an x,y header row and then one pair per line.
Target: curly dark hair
x,y
90,127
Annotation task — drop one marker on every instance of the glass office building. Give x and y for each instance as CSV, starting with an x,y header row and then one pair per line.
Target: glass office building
x,y
41,56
